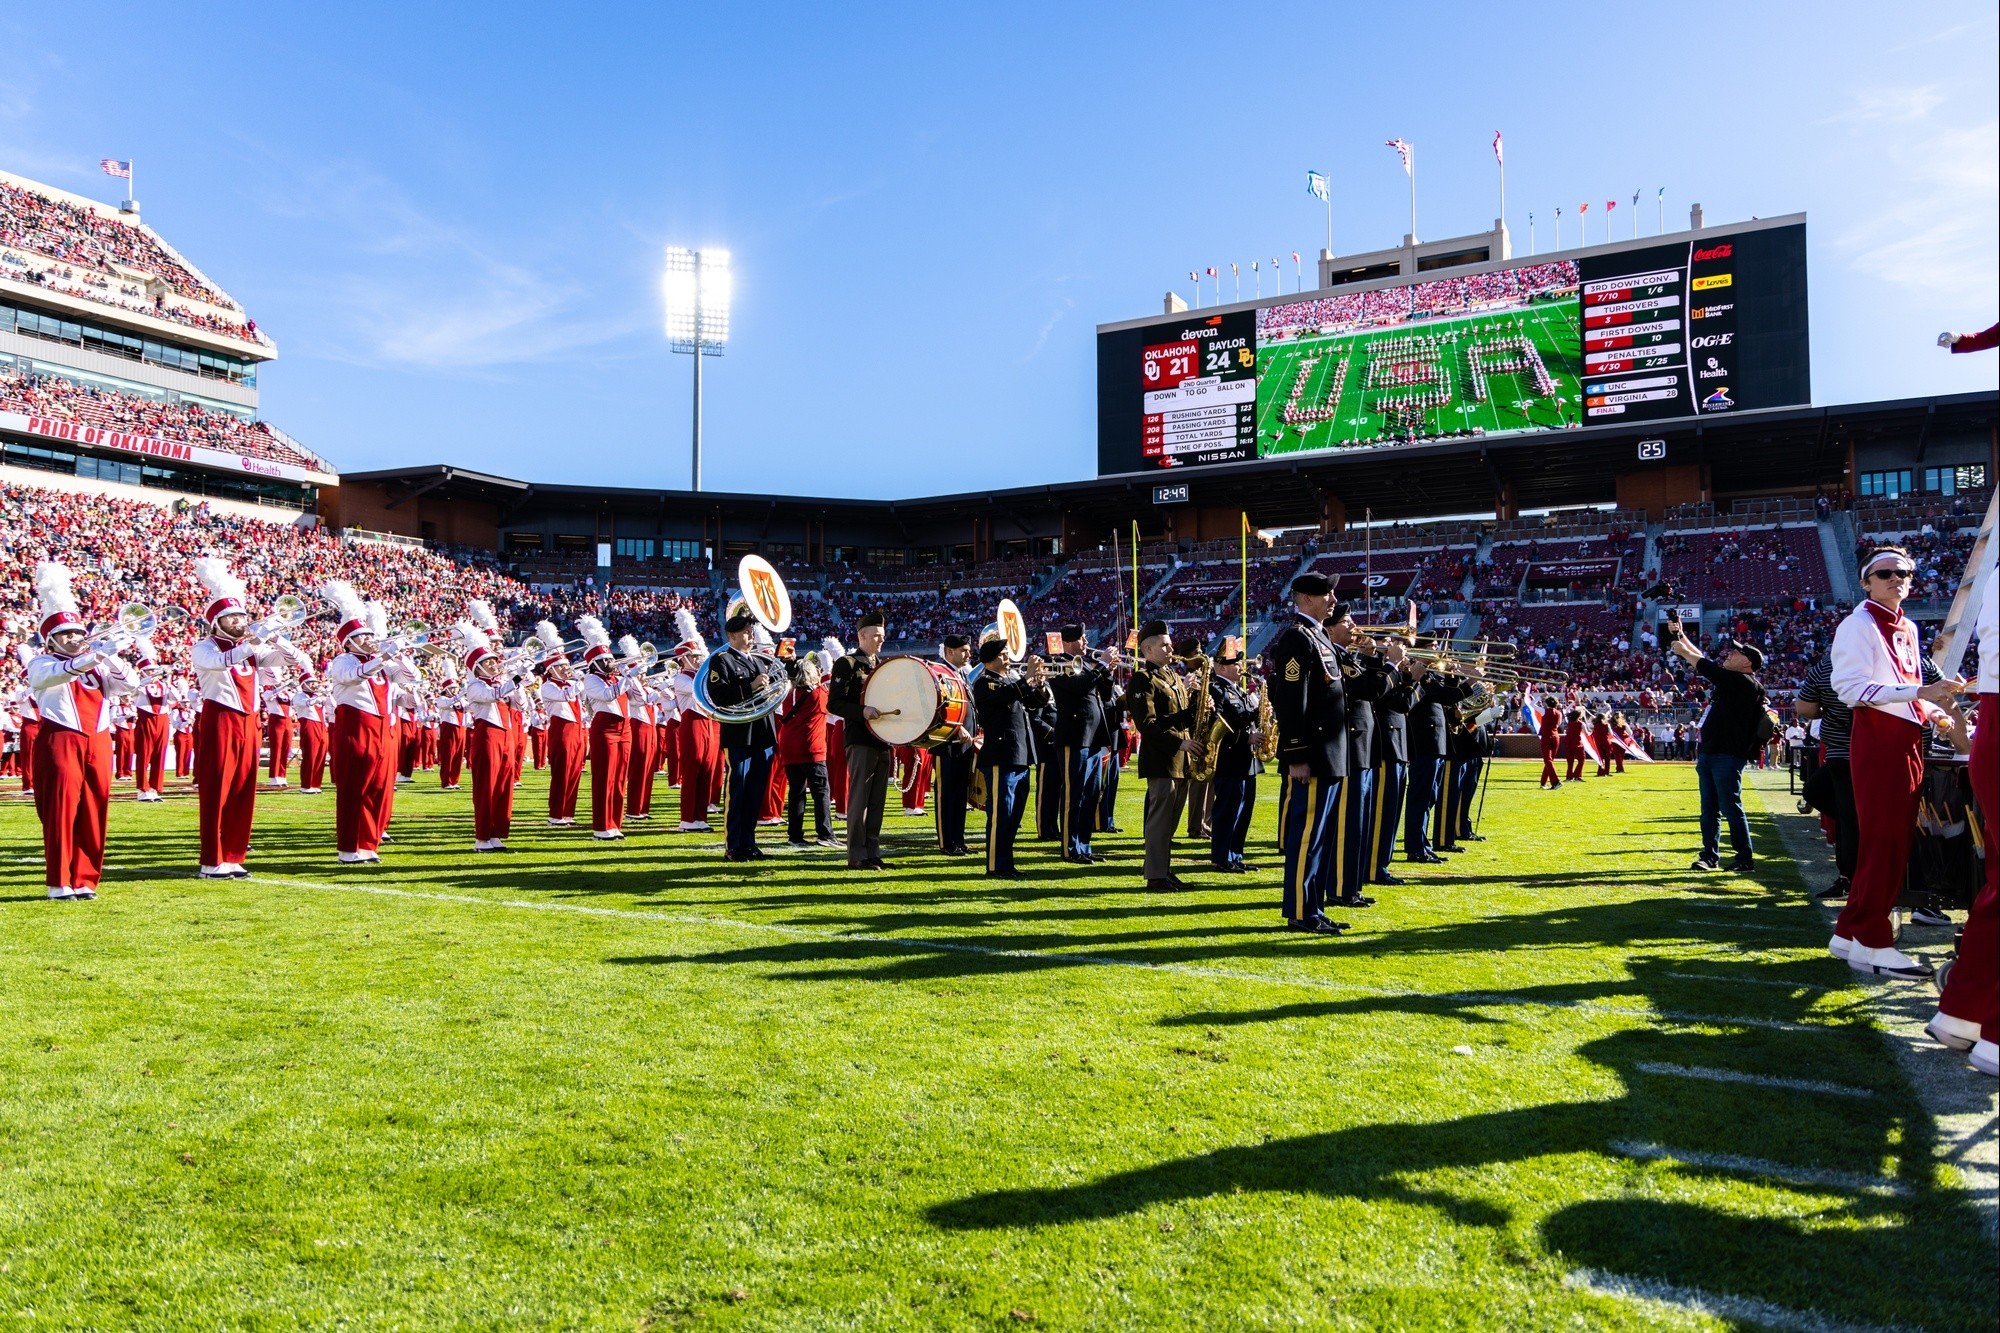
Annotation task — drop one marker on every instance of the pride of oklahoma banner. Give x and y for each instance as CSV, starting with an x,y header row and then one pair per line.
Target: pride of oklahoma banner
x,y
147,446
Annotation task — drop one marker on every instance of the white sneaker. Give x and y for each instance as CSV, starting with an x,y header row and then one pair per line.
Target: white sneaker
x,y
87,895
215,872
62,893
1840,946
309,791
1961,1034
1986,1059
352,858
371,857
606,835
278,782
481,845
1887,962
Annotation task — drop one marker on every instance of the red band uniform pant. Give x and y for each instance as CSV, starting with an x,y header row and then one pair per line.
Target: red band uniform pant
x,y
491,761
610,766
225,772
451,753
364,776
149,739
72,773
1886,759
312,753
1972,991
278,735
568,745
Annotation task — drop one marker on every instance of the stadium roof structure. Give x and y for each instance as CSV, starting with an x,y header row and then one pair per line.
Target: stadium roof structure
x,y
1744,453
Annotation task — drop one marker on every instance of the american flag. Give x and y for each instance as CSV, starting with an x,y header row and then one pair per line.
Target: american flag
x,y
1403,151
1496,149
113,167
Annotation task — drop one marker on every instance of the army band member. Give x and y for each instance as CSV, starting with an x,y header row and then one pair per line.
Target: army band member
x,y
1471,744
1236,766
734,678
868,758
1002,699
1081,735
1311,711
955,758
1431,719
1159,702
1370,676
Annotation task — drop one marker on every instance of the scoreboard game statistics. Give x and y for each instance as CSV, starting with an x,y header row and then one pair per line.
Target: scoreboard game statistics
x,y
1630,332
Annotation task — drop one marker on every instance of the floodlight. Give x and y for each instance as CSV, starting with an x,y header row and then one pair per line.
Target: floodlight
x,y
695,287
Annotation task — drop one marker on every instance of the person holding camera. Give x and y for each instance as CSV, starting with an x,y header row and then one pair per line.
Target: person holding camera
x,y
1734,727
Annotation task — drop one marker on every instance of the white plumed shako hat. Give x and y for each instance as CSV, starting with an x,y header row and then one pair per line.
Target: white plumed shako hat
x,y
472,643
596,639
349,610
226,592
56,600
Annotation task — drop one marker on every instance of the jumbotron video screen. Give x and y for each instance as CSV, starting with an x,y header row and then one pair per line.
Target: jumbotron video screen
x,y
1711,324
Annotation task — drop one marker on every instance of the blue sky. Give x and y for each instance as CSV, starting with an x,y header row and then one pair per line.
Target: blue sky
x,y
451,217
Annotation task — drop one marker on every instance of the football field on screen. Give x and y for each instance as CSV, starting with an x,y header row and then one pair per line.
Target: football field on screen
x,y
1335,374
1558,1082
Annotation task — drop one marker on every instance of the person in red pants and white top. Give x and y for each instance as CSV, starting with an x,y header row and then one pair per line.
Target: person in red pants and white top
x,y
700,759
30,721
1878,671
568,728
645,736
367,689
309,709
491,701
73,686
607,694
154,702
226,727
278,730
452,723
1968,1009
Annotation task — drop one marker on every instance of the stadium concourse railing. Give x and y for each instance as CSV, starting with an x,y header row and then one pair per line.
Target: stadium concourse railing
x,y
368,535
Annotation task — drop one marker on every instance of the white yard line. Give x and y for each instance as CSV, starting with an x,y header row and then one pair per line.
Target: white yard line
x,y
1754,1080
1757,1166
1692,1301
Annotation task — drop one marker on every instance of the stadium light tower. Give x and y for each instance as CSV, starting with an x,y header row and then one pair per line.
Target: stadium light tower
x,y
697,299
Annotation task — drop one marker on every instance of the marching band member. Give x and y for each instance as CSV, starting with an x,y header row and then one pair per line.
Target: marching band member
x,y
868,758
180,719
1161,707
1081,737
28,714
1572,745
955,757
1367,679
1551,741
538,732
645,736
309,711
1001,698
1431,717
1880,674
568,728
226,727
1968,1013
1311,712
700,737
490,698
124,719
1600,736
802,750
153,703
73,684
367,688
277,720
1236,767
734,678
1392,762
452,723
607,694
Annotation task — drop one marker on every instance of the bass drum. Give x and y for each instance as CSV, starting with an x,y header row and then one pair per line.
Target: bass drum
x,y
918,701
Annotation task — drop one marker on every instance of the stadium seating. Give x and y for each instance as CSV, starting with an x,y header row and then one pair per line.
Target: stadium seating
x,y
53,396
1741,566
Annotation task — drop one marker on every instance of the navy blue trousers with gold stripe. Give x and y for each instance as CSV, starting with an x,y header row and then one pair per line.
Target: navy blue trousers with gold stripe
x,y
1006,802
1356,848
1306,810
1081,770
1390,780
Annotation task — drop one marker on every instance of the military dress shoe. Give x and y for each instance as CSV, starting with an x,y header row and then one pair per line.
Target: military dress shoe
x,y
1834,892
1451,847
1472,837
1427,859
1355,900
1384,877
1317,925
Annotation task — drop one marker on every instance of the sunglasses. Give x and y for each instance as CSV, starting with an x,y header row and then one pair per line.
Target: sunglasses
x,y
1892,574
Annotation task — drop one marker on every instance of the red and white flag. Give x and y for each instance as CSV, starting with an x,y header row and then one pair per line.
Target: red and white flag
x,y
1610,204
1404,151
113,167
1496,149
1211,270
1583,208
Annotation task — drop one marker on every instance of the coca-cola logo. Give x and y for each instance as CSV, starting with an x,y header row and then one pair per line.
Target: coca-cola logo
x,y
1714,252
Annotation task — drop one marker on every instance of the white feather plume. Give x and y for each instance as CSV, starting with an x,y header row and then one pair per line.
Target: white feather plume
x,y
593,632
469,637
551,638
480,612
761,636
831,647
689,630
52,588
378,619
218,580
347,603
628,646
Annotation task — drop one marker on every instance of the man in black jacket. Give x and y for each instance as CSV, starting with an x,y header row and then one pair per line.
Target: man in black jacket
x,y
1311,712
868,759
733,678
1002,698
1430,733
1081,693
1472,743
954,757
1043,719
1236,766
1368,677
1392,763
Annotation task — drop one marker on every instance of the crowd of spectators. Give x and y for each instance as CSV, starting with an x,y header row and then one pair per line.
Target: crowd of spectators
x,y
1745,564
1939,556
1473,293
38,394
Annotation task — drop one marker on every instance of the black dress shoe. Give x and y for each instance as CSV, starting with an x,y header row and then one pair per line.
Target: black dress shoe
x,y
1384,877
1003,874
1230,868
1355,900
1451,847
1427,859
1111,828
1472,837
876,864
1167,885
1834,891
1317,925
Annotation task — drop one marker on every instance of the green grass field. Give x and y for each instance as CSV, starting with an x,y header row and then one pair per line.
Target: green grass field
x,y
634,1087
1513,401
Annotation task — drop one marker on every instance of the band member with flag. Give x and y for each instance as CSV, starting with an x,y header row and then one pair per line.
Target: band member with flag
x,y
367,687
1002,698
491,700
1550,732
955,757
74,684
1310,709
227,725
1894,691
607,694
1080,694
868,758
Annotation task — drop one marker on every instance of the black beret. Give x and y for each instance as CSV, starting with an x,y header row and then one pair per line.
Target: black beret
x,y
739,622
957,641
990,651
1318,585
1189,650
1072,632
871,618
1152,629
1341,611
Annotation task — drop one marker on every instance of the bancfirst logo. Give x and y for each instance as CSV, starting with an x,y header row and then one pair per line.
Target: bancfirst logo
x,y
1714,252
1711,281
1712,340
1710,311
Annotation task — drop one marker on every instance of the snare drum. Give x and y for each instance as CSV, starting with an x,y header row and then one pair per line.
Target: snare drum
x,y
919,702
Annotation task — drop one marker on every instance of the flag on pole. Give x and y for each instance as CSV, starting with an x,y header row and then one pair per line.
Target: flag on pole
x,y
1404,151
1496,149
1295,257
1234,272
1583,208
113,167
1635,198
1316,186
1662,194
1610,204
1211,270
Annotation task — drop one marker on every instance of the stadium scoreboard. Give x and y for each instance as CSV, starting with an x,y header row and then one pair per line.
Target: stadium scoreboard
x,y
1641,331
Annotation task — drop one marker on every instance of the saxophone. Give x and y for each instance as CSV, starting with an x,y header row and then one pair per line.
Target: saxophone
x,y
1267,728
1207,727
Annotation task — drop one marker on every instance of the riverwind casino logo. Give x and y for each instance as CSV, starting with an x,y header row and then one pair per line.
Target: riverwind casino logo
x,y
1718,399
